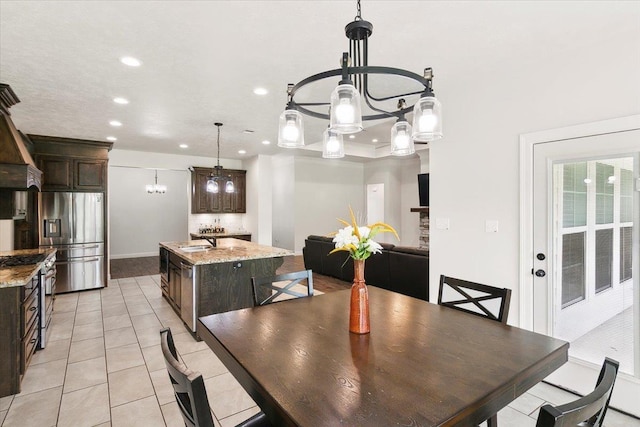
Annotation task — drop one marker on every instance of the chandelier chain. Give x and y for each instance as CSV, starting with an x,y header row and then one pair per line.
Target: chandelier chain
x,y
359,15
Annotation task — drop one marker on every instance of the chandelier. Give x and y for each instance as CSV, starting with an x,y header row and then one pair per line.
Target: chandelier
x,y
156,188
213,185
353,90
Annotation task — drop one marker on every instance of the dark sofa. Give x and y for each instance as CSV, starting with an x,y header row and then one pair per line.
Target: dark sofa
x,y
400,269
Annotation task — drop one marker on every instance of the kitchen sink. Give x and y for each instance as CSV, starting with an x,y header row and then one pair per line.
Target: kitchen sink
x,y
196,248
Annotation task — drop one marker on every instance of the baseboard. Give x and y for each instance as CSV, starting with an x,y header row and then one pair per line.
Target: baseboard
x,y
139,255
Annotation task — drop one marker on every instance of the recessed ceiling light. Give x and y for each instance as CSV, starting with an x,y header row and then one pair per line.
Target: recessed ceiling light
x,y
130,61
266,142
112,138
115,123
183,146
242,151
260,91
374,140
120,100
352,137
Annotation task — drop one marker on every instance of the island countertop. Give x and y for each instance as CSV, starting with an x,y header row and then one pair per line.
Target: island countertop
x,y
227,250
20,275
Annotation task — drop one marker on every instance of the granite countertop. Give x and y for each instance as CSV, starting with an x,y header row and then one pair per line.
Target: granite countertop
x,y
226,234
228,250
20,275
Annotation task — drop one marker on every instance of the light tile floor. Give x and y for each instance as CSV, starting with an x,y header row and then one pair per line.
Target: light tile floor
x,y
103,367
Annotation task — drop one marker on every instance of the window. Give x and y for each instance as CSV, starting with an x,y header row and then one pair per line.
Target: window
x,y
605,180
573,268
604,259
625,253
574,195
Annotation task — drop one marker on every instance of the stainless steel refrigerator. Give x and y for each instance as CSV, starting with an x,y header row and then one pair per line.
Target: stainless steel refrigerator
x,y
73,223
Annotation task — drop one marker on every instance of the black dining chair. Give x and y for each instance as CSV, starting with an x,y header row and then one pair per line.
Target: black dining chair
x,y
189,390
475,298
265,290
588,410
478,299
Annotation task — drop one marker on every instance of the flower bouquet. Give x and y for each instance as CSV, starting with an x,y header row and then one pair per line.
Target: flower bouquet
x,y
358,241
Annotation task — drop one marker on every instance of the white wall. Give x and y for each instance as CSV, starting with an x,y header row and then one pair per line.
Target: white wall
x,y
474,169
259,198
137,220
283,201
400,179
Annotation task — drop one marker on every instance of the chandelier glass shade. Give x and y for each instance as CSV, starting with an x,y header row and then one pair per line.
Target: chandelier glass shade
x,y
401,142
215,177
332,144
355,99
156,188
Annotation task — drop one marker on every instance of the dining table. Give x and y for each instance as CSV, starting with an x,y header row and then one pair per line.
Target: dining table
x,y
422,364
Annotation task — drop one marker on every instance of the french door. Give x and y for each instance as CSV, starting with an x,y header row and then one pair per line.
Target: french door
x,y
582,284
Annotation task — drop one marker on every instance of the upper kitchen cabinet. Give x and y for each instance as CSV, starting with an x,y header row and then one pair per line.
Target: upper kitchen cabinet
x,y
72,164
221,202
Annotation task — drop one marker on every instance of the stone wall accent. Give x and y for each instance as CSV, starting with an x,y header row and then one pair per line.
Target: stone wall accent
x,y
423,227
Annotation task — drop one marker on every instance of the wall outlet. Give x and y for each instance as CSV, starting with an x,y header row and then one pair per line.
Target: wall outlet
x,y
491,226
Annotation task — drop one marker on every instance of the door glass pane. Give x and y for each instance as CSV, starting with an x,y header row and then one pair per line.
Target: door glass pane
x,y
573,278
625,253
594,240
574,194
605,180
626,195
604,259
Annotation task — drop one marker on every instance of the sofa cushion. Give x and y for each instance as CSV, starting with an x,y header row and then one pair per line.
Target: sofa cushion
x,y
320,238
411,250
409,273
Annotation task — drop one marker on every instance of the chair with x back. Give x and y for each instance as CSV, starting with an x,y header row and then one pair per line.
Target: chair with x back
x,y
475,298
190,392
588,410
267,290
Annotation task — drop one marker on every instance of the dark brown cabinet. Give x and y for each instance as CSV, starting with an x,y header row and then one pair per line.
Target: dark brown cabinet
x,y
19,328
71,164
221,202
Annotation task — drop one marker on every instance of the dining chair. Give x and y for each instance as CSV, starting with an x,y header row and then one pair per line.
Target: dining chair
x,y
189,390
588,410
475,298
264,287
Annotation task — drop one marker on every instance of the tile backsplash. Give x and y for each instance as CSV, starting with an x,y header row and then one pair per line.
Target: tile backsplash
x,y
230,222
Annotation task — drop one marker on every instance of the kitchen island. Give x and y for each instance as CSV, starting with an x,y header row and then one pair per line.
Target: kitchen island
x,y
198,279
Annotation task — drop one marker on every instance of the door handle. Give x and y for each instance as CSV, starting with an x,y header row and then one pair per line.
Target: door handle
x,y
75,261
540,273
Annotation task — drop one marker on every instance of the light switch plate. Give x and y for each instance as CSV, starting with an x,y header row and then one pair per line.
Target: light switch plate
x,y
442,223
491,226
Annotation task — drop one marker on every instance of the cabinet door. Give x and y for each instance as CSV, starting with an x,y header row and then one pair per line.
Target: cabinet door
x,y
89,174
241,193
56,172
174,285
201,200
228,204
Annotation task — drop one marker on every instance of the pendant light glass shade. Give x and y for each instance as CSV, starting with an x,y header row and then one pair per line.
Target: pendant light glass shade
x,y
346,113
332,144
401,142
229,187
212,185
427,119
291,129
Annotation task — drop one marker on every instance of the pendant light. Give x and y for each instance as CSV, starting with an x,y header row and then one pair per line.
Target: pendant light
x,y
332,144
363,94
213,185
156,188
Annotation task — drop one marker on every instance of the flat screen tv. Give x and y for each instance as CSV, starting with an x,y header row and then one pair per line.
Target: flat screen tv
x,y
423,188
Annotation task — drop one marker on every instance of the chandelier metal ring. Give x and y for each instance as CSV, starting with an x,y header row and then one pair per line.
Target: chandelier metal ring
x,y
362,71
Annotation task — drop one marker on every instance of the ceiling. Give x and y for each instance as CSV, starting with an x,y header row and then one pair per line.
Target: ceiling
x,y
203,59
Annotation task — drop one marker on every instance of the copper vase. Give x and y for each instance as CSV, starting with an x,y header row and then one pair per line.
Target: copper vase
x,y
359,307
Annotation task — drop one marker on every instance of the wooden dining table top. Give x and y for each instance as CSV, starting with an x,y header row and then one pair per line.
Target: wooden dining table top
x,y
421,365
